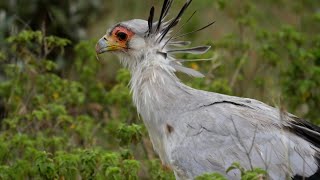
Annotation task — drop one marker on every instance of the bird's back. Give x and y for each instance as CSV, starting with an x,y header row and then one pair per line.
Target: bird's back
x,y
215,130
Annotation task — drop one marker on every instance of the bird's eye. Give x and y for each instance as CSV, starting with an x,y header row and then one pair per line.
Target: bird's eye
x,y
122,36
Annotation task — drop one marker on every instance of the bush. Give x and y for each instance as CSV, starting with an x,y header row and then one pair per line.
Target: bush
x,y
61,118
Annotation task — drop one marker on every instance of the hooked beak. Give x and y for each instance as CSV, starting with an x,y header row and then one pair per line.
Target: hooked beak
x,y
104,45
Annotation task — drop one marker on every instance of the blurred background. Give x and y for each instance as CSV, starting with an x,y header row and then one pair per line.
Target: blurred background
x,y
65,115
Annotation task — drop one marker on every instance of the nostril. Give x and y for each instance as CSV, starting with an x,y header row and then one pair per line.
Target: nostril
x,y
104,38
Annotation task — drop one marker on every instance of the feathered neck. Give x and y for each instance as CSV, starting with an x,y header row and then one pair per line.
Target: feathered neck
x,y
153,83
156,93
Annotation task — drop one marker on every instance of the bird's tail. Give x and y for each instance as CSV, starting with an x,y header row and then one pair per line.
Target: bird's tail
x,y
310,133
306,130
315,176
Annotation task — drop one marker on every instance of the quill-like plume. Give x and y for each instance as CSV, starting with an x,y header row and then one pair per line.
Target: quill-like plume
x,y
150,21
165,9
175,21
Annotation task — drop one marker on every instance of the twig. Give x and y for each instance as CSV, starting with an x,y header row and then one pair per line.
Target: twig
x,y
237,71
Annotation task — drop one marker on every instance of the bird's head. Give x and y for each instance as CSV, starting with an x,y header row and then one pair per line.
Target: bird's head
x,y
126,39
135,39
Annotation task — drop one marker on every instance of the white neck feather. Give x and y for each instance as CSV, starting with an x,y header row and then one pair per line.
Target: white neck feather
x,y
153,85
156,92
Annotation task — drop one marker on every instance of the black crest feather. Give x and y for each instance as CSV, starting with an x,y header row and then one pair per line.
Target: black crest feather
x,y
150,20
175,21
164,11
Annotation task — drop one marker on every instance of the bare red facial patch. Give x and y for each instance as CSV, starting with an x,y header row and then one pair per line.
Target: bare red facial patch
x,y
121,34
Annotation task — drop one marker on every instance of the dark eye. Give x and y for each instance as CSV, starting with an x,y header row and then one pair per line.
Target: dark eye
x,y
122,36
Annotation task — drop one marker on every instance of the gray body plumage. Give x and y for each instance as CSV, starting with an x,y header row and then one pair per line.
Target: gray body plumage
x,y
196,132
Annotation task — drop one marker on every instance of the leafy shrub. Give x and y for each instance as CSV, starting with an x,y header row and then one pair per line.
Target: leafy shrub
x,y
63,117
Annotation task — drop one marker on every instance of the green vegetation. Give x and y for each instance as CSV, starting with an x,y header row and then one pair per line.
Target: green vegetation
x,y
65,115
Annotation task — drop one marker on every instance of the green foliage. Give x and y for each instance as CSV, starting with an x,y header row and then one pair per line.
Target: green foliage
x,y
66,164
159,172
252,174
129,133
218,85
45,165
45,120
65,18
66,115
213,176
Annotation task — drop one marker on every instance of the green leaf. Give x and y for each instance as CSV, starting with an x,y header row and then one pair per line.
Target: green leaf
x,y
236,166
213,176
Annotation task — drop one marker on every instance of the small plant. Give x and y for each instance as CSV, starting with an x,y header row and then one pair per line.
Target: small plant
x,y
213,176
253,174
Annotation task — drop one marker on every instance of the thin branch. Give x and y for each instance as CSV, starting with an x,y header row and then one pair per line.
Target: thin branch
x,y
237,71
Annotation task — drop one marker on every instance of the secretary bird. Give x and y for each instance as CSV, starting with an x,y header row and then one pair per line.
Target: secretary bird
x,y
195,131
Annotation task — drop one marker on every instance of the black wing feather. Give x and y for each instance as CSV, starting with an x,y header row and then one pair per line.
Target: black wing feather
x,y
306,130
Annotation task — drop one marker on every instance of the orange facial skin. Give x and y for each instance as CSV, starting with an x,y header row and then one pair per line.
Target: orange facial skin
x,y
119,37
